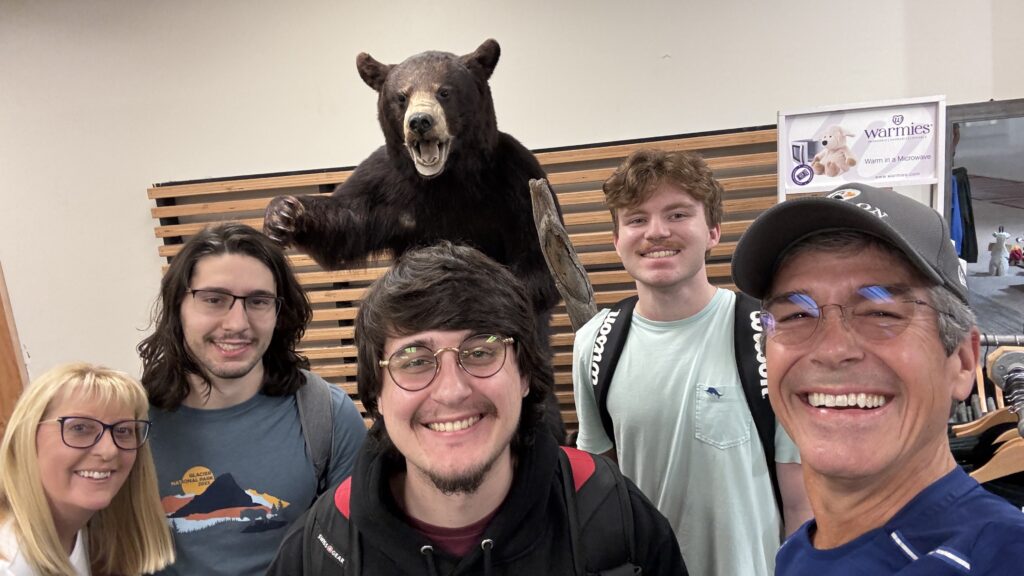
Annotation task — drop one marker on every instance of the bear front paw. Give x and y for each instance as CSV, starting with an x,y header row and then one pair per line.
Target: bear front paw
x,y
281,218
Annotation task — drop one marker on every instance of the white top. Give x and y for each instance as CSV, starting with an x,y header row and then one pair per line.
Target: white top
x,y
685,436
12,563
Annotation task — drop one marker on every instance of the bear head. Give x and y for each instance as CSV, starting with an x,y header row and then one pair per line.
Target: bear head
x,y
835,138
435,106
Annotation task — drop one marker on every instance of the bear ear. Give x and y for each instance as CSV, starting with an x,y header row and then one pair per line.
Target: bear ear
x,y
483,60
372,72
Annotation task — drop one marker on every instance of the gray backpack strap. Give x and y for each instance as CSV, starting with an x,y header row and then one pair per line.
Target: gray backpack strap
x,y
314,402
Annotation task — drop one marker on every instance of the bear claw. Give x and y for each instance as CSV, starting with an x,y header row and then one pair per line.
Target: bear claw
x,y
279,222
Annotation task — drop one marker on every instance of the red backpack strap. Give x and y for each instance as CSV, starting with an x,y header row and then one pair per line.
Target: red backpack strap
x,y
582,464
343,497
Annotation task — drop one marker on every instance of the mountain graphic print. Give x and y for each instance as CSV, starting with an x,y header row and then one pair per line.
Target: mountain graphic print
x,y
206,500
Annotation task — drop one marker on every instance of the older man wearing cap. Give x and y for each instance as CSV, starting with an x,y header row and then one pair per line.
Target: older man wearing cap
x,y
869,341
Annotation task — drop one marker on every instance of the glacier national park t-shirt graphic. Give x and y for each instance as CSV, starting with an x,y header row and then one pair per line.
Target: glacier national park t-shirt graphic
x,y
205,500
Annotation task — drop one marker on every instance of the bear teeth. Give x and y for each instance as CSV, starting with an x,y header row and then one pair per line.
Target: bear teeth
x,y
428,152
429,156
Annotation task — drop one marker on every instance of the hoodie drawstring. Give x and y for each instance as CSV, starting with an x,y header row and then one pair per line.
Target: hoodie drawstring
x,y
428,551
487,545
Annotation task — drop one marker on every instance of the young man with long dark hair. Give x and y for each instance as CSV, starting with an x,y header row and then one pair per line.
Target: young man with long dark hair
x,y
224,380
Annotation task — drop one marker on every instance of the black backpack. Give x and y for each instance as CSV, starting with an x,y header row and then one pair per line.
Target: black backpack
x,y
586,493
750,363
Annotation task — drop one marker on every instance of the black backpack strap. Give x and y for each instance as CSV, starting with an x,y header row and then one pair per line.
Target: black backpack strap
x,y
314,402
753,371
592,485
332,543
611,338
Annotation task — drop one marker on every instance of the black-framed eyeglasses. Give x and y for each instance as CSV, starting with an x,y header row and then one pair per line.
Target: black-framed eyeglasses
x,y
83,432
219,302
414,367
880,313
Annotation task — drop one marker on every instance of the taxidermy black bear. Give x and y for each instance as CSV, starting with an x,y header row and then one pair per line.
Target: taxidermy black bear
x,y
445,172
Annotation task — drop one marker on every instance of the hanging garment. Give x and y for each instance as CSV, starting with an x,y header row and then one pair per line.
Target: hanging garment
x,y
956,225
970,236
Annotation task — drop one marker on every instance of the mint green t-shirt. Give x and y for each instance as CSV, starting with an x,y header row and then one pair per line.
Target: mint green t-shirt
x,y
685,436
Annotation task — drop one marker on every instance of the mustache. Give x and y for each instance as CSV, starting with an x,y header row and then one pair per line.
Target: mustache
x,y
648,247
244,335
483,407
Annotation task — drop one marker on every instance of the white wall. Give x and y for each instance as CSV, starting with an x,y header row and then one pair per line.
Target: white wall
x,y
98,100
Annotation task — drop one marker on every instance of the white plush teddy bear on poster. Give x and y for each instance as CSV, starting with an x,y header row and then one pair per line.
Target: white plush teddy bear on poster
x,y
837,157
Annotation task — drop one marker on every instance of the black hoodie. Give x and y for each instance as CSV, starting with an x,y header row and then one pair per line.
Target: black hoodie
x,y
528,535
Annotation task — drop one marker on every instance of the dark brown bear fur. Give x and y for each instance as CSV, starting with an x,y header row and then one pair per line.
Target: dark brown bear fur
x,y
471,186
481,198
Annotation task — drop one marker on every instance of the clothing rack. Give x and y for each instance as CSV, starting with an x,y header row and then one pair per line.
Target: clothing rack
x,y
1002,340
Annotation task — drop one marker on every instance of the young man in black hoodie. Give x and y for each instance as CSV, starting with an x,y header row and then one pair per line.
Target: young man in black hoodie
x,y
454,478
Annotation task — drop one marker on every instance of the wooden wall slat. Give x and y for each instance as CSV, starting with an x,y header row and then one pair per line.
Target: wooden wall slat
x,y
180,230
329,314
599,175
249,184
223,207
623,150
347,275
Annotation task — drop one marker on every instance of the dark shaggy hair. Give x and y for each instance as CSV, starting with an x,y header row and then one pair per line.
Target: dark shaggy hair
x,y
165,358
450,287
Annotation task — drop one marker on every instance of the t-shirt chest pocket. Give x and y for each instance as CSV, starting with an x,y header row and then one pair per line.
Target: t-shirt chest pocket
x,y
722,417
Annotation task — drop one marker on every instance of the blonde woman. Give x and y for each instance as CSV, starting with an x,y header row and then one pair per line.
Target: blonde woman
x,y
78,492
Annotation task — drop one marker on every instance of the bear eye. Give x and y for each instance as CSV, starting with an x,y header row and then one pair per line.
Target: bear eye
x,y
442,93
402,98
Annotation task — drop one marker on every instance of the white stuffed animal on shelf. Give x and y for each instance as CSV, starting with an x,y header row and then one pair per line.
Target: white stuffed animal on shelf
x,y
1000,255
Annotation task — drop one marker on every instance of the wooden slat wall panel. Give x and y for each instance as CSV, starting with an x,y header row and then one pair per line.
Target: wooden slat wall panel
x,y
744,161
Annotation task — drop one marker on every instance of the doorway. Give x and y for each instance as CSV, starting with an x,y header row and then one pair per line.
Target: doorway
x,y
986,150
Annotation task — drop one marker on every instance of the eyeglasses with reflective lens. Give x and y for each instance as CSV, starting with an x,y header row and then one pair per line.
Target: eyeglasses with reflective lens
x,y
218,303
879,313
414,367
83,432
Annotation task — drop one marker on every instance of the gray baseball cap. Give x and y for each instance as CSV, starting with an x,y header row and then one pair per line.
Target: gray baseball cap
x,y
912,227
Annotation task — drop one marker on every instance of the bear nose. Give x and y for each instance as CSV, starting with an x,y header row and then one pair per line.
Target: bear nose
x,y
421,123
824,142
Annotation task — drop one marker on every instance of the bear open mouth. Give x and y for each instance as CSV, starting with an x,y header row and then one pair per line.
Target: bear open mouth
x,y
429,156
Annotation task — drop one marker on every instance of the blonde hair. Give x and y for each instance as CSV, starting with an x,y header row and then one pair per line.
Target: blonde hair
x,y
130,536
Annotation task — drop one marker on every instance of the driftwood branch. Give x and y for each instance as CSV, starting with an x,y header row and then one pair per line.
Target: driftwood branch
x,y
570,276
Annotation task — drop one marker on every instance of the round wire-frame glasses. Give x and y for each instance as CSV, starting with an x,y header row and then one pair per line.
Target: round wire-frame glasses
x,y
415,367
792,319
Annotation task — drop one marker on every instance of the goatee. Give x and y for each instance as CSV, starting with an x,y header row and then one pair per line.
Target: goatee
x,y
466,483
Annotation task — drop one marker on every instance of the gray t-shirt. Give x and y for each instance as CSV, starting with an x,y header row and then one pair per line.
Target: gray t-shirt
x,y
685,436
232,480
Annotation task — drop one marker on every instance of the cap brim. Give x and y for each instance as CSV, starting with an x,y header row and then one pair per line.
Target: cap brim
x,y
771,234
